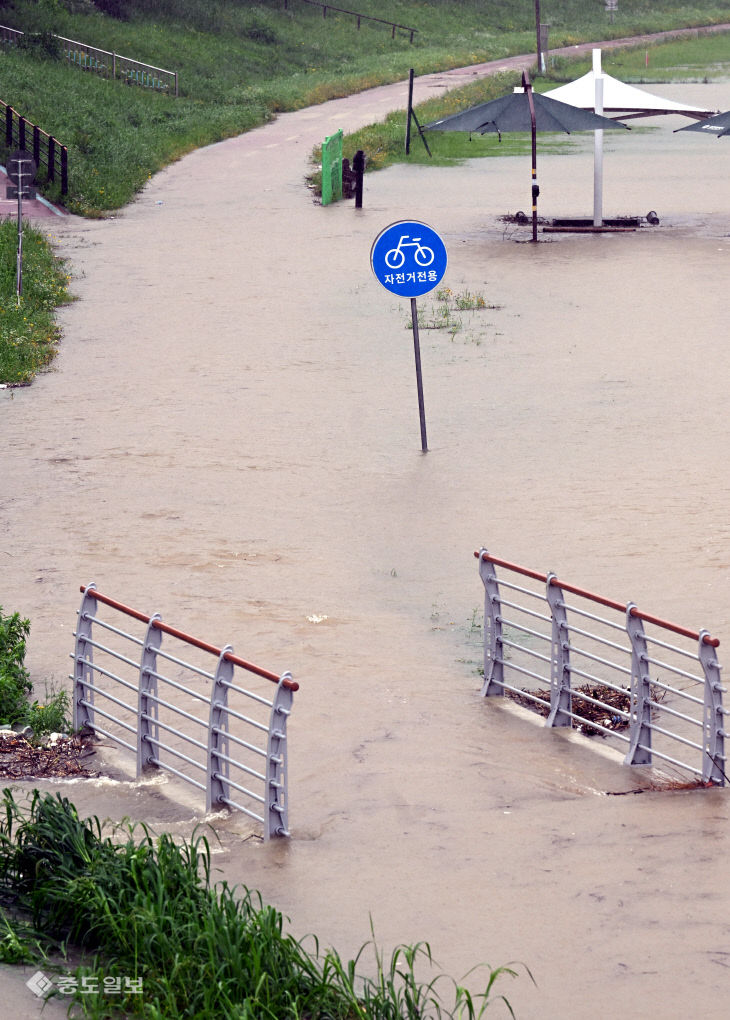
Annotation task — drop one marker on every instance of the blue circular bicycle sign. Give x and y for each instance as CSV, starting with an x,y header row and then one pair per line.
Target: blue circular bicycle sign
x,y
408,258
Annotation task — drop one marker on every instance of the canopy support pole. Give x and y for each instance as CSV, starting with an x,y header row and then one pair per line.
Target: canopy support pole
x,y
533,126
598,143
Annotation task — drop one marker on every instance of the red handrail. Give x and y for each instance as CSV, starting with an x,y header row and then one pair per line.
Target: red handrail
x,y
292,685
609,603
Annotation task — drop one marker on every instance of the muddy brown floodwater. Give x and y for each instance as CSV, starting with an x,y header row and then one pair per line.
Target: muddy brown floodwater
x,y
230,436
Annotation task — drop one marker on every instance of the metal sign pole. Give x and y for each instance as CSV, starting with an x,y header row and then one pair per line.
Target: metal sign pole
x,y
19,271
419,378
21,169
409,259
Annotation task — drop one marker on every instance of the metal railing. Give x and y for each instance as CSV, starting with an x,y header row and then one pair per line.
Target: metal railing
x,y
609,668
360,17
130,690
107,63
47,152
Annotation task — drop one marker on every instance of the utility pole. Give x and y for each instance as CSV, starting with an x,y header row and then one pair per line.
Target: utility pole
x,y
540,66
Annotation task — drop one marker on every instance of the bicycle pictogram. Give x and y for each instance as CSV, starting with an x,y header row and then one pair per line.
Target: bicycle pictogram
x,y
408,258
396,257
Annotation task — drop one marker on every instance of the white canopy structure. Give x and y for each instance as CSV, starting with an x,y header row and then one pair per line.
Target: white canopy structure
x,y
608,96
619,99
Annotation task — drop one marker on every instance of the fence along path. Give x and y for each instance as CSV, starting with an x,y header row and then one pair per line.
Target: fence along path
x,y
184,709
47,152
653,687
360,17
107,63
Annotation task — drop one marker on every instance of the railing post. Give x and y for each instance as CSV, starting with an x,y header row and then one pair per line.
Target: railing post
x,y
276,809
639,752
21,132
713,759
64,170
217,790
561,699
147,708
8,126
493,648
51,158
37,145
83,715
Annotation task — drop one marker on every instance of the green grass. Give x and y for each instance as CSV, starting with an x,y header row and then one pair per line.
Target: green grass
x,y
28,332
16,688
384,141
241,63
686,60
141,907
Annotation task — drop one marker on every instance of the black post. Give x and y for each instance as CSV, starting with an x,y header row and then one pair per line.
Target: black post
x,y
410,112
358,165
419,381
64,170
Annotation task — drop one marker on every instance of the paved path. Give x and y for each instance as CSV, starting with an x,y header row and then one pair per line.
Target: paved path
x,y
426,85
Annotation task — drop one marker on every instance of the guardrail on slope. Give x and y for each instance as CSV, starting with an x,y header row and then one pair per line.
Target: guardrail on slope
x,y
106,63
360,17
47,151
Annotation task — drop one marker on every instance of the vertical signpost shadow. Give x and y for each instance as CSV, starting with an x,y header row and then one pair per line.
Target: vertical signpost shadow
x,y
409,259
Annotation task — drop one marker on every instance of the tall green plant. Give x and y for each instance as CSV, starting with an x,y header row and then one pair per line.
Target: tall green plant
x,y
15,685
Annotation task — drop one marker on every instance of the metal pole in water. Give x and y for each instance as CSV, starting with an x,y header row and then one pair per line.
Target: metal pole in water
x,y
419,380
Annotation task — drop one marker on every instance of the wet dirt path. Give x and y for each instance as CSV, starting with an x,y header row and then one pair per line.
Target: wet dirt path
x,y
230,436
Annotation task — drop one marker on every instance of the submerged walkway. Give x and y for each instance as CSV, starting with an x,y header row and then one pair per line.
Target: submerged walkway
x,y
425,86
230,437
